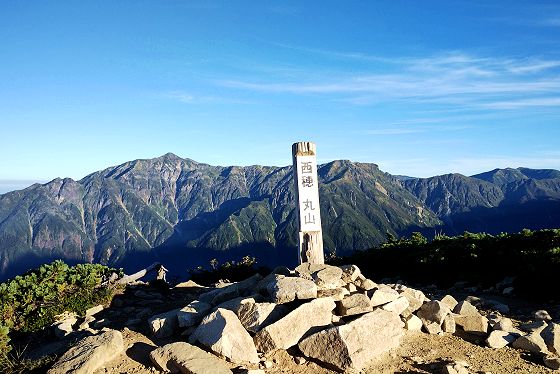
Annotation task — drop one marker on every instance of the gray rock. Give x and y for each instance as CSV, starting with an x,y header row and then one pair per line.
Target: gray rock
x,y
207,297
192,314
364,283
337,294
325,276
287,331
353,345
508,291
505,324
499,339
85,324
357,303
532,342
99,324
222,332
551,336
448,324
164,324
64,326
449,301
542,315
94,310
476,324
235,304
413,323
182,357
455,368
255,316
235,290
397,306
285,289
465,308
90,353
432,315
350,273
536,326
383,295
415,299
552,362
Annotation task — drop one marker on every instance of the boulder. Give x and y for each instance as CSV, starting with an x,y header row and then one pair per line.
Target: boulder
x,y
364,283
207,297
505,324
90,353
476,324
455,368
350,273
182,357
465,308
448,324
64,327
222,332
351,287
285,289
337,294
415,299
383,295
235,304
255,316
542,315
236,289
552,362
85,324
188,284
288,331
500,338
432,315
538,326
551,336
357,303
325,276
353,345
413,323
94,310
508,291
397,306
165,324
532,342
192,314
449,301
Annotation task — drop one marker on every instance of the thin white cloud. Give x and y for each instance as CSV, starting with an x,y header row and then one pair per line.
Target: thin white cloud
x,y
188,98
453,78
413,129
525,103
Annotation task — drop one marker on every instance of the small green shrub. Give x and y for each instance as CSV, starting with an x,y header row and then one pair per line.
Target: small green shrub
x,y
30,302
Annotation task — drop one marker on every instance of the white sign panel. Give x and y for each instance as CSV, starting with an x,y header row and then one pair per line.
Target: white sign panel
x,y
308,191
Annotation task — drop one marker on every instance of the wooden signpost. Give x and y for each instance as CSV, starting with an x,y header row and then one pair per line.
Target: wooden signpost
x,y
310,247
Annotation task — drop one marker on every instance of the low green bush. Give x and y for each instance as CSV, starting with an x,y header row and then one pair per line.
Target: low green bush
x,y
30,302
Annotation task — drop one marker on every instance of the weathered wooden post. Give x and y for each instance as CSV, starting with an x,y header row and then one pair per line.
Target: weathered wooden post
x,y
310,247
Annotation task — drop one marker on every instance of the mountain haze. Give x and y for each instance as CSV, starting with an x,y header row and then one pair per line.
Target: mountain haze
x,y
184,213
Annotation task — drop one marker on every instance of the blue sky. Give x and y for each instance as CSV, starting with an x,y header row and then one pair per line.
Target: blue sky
x,y
420,88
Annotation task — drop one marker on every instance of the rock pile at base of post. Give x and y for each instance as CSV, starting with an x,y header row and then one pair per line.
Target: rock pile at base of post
x,y
331,315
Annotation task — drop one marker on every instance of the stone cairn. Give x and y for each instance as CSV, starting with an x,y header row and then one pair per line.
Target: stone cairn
x,y
333,315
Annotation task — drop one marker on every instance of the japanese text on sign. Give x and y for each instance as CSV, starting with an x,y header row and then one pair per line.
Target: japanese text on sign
x,y
308,193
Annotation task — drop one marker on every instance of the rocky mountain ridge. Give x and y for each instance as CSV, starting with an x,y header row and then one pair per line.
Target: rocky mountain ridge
x,y
173,208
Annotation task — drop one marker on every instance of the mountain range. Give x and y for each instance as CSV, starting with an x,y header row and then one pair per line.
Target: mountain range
x,y
184,213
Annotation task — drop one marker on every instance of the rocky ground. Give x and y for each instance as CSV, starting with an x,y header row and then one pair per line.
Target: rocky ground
x,y
147,327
